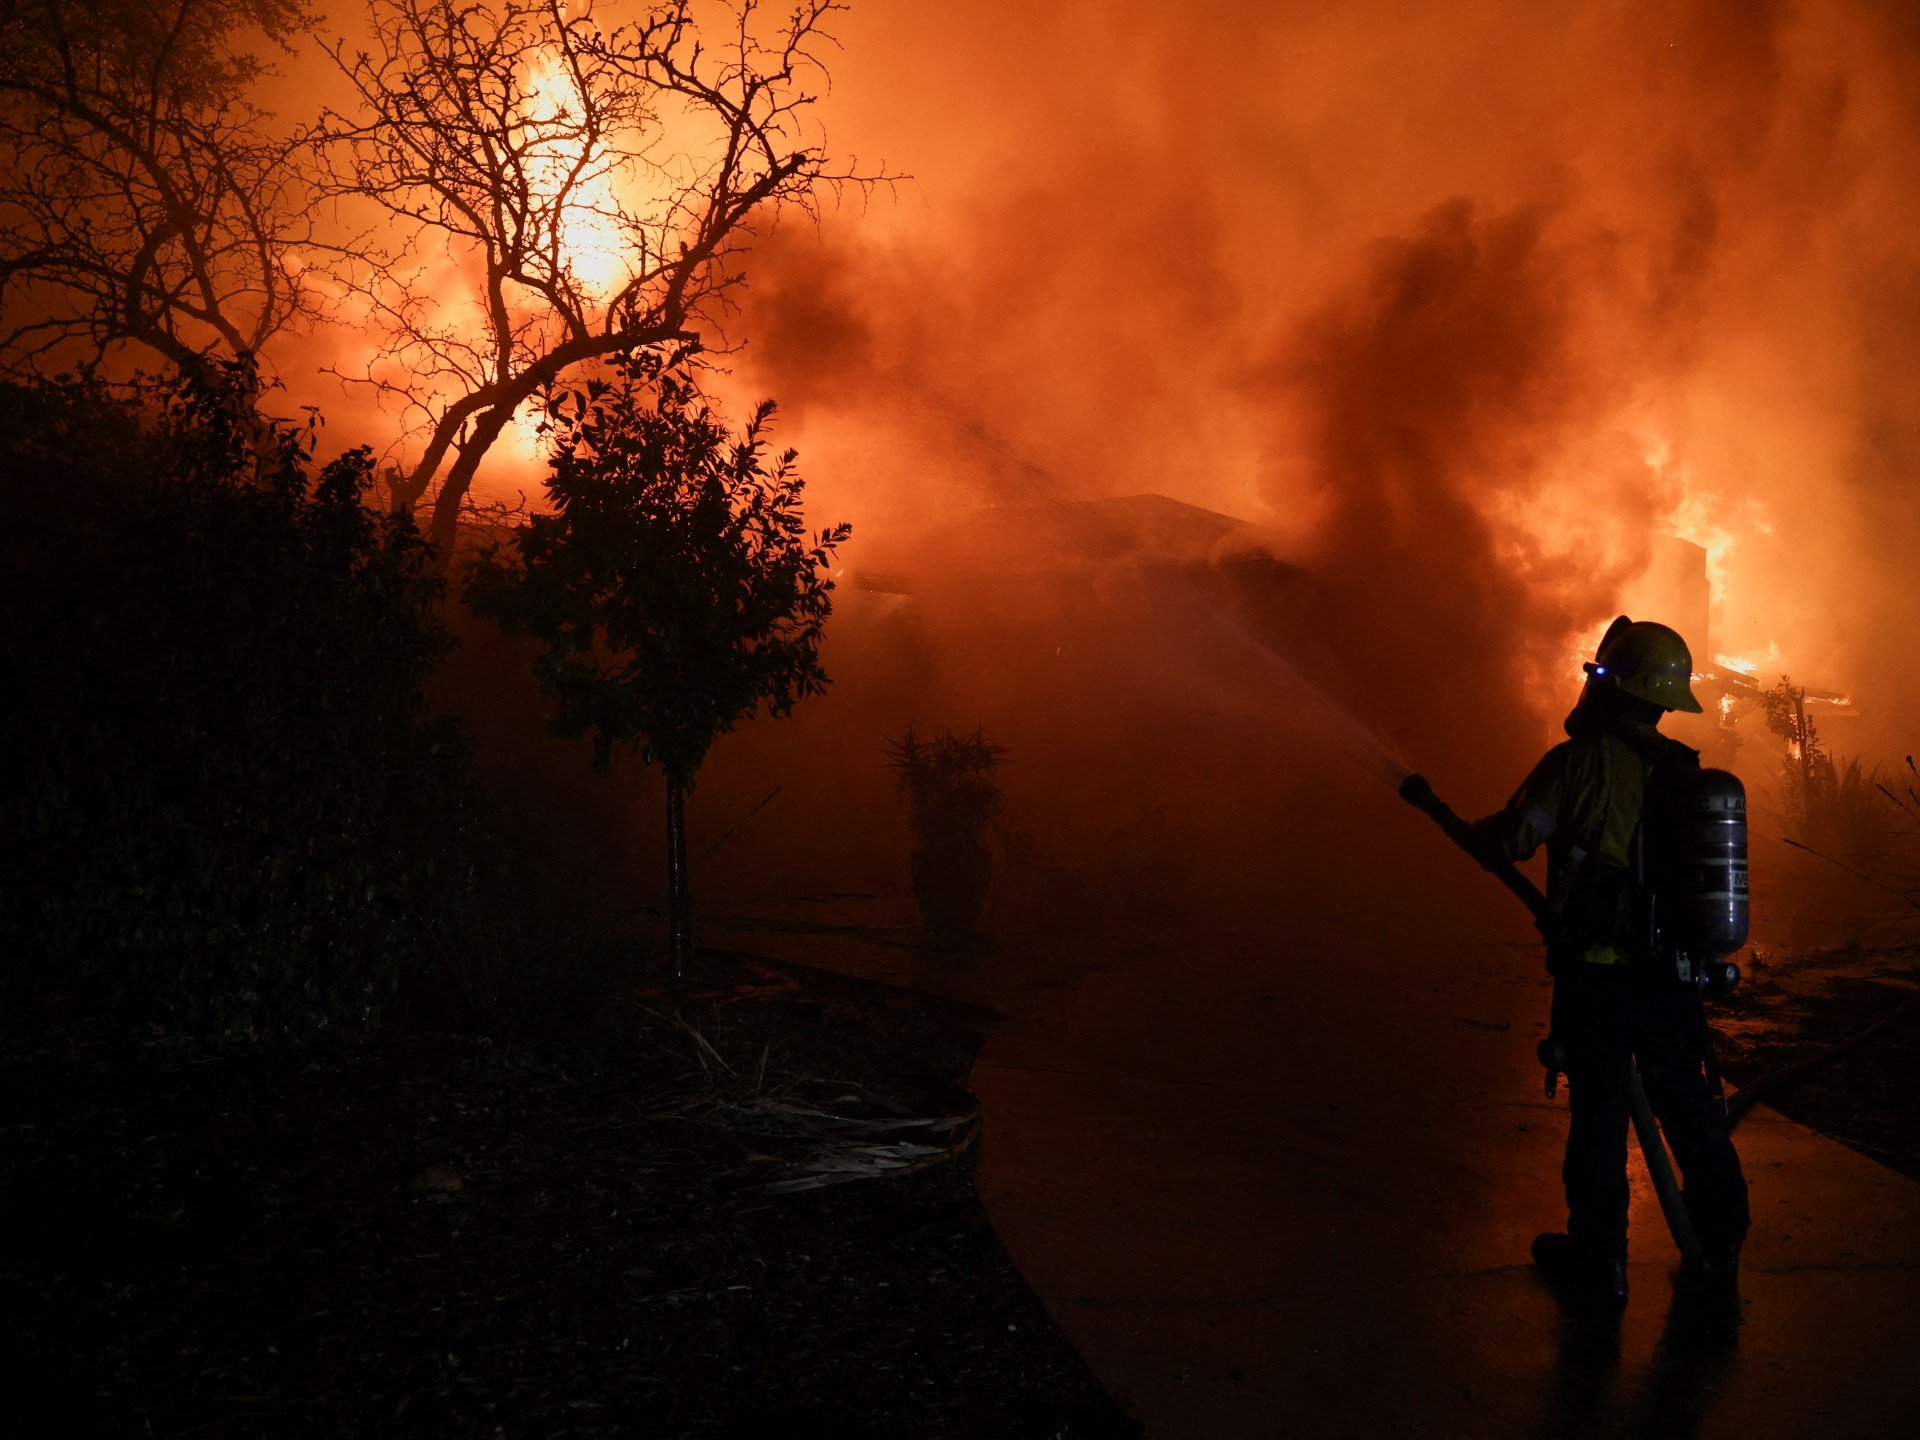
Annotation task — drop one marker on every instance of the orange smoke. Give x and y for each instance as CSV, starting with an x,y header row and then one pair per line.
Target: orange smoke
x,y
1465,305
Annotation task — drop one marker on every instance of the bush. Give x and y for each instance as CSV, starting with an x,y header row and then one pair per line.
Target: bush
x,y
232,808
1868,822
948,783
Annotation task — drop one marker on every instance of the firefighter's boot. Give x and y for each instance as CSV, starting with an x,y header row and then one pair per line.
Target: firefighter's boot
x,y
1561,1260
1720,1259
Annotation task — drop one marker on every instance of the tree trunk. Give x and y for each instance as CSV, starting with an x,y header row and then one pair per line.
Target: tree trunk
x,y
443,525
1806,747
679,892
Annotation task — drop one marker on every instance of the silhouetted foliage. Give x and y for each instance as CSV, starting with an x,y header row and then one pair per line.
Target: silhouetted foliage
x,y
1808,776
1866,821
949,787
675,588
144,198
229,804
597,173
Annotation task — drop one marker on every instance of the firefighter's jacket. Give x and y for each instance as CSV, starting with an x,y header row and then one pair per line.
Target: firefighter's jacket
x,y
1583,802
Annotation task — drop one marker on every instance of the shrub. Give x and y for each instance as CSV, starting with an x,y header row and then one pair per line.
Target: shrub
x,y
949,787
1868,822
231,807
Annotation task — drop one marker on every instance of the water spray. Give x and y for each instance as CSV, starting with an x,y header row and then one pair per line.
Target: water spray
x,y
1373,755
1358,743
1041,486
1417,792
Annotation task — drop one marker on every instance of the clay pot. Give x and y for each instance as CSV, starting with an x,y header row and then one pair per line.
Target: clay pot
x,y
951,886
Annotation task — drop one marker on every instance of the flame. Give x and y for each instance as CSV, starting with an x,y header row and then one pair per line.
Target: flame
x,y
1696,519
1705,516
1751,665
593,245
522,439
1698,515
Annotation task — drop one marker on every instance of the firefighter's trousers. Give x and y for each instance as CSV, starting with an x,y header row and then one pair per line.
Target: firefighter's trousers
x,y
1607,1017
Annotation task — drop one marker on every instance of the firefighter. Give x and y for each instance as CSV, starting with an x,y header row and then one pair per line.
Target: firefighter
x,y
1615,1003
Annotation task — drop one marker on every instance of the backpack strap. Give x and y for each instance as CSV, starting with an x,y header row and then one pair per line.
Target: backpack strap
x,y
1662,752
1671,767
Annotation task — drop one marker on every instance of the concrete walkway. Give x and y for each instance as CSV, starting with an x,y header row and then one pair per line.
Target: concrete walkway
x,y
1280,1180
1253,1226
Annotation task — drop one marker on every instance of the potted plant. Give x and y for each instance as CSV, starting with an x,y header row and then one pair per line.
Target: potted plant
x,y
951,801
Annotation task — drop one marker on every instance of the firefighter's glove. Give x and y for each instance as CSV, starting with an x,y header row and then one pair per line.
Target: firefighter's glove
x,y
1483,840
1553,1059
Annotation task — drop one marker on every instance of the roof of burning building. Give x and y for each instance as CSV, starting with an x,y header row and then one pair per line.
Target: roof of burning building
x,y
1036,538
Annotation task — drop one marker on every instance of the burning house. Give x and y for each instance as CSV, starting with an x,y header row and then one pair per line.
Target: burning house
x,y
1733,689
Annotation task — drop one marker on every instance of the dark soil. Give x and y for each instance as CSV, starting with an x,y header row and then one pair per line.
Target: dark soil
x,y
1797,1006
455,1234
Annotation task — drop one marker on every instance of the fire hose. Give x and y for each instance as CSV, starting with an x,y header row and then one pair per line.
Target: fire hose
x,y
1417,792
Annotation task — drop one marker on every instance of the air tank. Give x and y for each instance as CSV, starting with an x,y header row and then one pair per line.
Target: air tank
x,y
1704,902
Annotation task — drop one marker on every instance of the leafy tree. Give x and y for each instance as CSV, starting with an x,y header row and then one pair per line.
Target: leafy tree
x,y
674,587
1807,770
143,200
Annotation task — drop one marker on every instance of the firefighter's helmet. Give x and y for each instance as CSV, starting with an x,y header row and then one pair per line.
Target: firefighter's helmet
x,y
1648,660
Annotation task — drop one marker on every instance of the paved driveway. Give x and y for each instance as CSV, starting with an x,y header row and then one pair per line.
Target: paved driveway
x,y
1285,1186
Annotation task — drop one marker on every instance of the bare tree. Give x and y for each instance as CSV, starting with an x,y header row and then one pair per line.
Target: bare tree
x,y
142,198
555,192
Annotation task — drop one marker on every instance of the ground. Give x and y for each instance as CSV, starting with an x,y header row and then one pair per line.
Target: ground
x,y
1276,1168
1795,1006
1245,1166
440,1232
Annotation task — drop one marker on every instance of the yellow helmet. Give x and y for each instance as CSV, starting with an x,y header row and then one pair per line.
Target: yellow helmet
x,y
1647,660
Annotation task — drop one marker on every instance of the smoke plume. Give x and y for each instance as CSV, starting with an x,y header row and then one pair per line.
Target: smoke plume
x,y
1463,307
